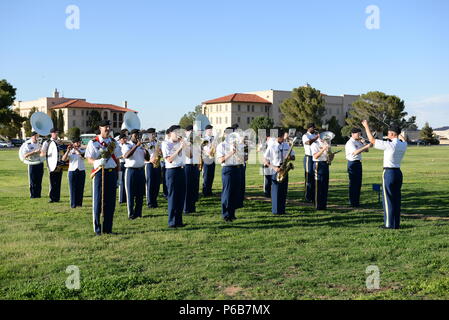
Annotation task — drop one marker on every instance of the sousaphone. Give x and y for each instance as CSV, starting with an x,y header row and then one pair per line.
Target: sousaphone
x,y
42,124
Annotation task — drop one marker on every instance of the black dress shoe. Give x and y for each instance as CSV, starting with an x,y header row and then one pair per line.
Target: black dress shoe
x,y
172,227
132,217
98,233
50,201
383,227
181,225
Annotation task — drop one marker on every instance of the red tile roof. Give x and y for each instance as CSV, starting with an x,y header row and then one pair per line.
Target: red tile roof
x,y
238,97
81,104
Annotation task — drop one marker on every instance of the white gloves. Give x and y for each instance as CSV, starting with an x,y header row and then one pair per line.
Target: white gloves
x,y
100,162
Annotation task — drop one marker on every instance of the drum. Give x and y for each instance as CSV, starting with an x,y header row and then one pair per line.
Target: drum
x,y
54,155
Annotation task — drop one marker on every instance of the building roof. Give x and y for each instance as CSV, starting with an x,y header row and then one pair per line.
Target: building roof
x,y
82,104
238,97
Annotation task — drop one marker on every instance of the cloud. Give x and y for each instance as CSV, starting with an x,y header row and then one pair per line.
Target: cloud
x,y
434,110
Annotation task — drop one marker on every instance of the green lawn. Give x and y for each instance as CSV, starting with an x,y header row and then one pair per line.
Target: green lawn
x,y
303,255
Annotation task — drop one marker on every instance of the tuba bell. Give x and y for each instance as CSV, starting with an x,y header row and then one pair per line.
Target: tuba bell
x,y
130,121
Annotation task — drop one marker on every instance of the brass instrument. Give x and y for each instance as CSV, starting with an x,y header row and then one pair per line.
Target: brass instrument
x,y
286,164
327,137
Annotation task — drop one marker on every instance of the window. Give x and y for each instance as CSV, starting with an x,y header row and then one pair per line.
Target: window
x,y
226,107
114,120
87,123
238,108
226,120
105,116
247,119
252,108
247,107
82,113
74,123
73,112
238,119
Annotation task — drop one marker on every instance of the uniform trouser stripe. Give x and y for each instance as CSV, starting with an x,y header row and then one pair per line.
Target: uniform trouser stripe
x,y
386,208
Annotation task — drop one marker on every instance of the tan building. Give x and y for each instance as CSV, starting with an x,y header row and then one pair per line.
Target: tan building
x,y
75,110
242,108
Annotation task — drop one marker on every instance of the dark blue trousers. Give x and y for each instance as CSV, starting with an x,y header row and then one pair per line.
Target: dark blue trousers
x,y
122,188
278,195
309,179
153,183
135,186
35,174
55,186
192,187
267,179
321,169
176,187
77,179
208,178
392,184
164,180
110,193
355,182
231,176
241,195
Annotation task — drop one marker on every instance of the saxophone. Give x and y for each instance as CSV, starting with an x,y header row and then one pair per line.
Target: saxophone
x,y
286,165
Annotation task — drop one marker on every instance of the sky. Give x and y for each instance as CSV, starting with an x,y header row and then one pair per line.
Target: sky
x,y
166,57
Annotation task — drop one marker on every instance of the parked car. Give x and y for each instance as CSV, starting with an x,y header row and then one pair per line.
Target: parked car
x,y
17,142
422,143
5,144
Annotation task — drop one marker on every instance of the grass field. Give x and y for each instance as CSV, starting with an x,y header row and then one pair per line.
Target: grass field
x,y
302,255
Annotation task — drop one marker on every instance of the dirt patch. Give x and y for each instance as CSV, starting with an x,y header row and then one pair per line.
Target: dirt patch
x,y
232,290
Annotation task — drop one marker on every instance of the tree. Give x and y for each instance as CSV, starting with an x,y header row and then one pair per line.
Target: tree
x,y
305,105
10,120
428,135
189,117
60,122
27,123
93,120
261,123
334,126
381,110
73,133
54,118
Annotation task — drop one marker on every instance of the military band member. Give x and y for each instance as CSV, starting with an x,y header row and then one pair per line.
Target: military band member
x,y
267,171
76,172
208,161
394,150
103,152
163,171
353,149
35,171
274,156
230,156
153,170
319,150
122,140
55,176
192,172
135,155
309,184
173,152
